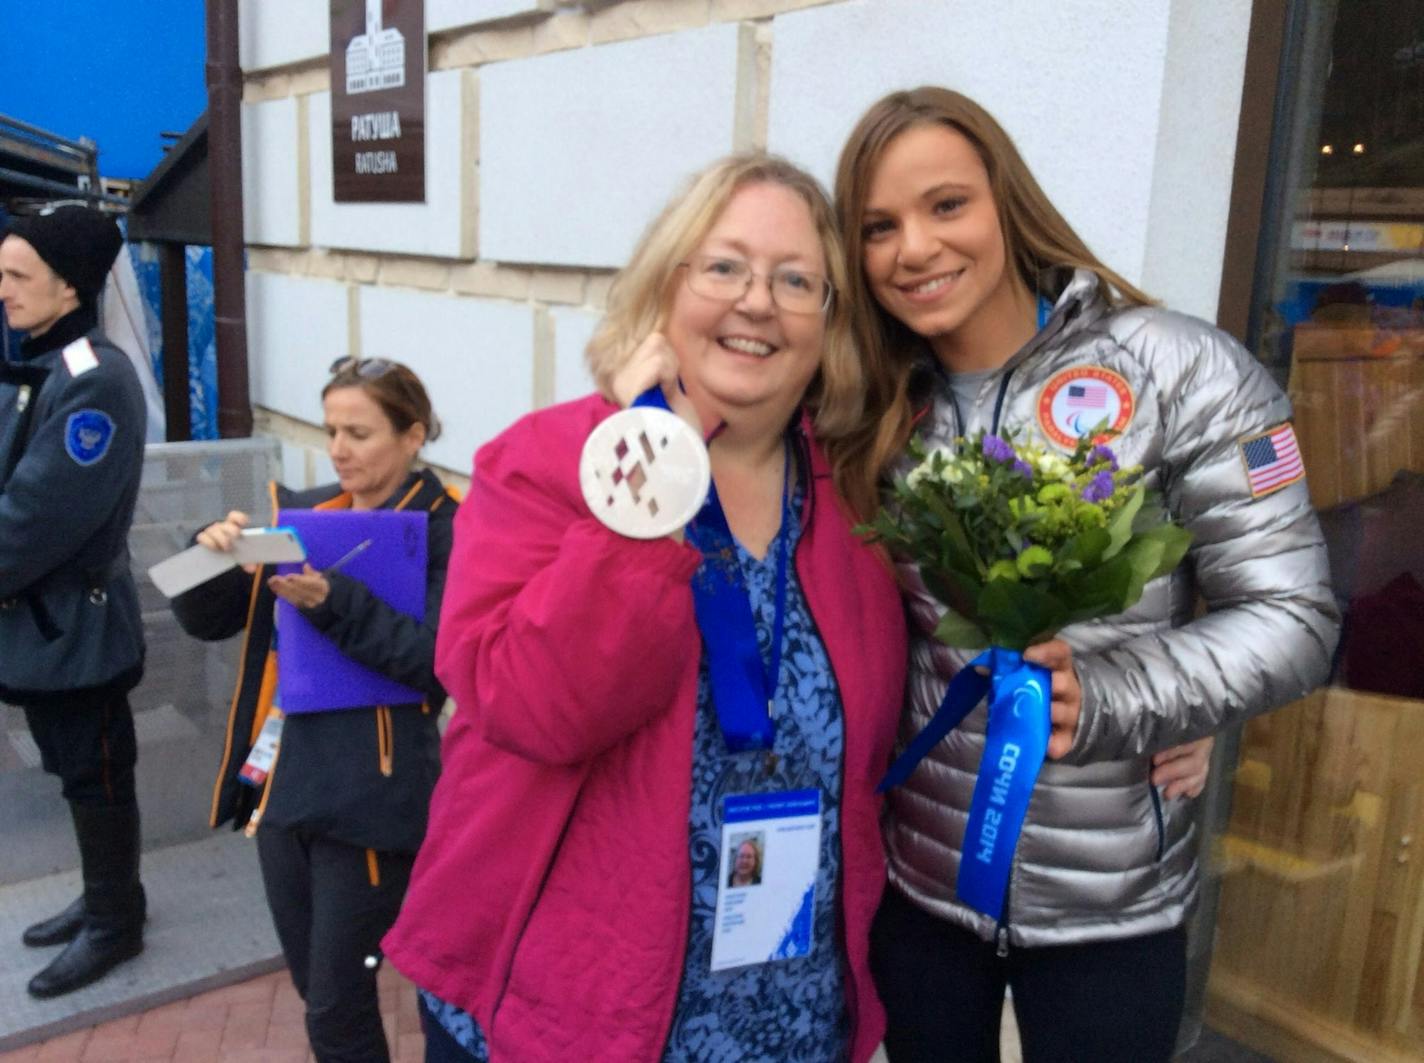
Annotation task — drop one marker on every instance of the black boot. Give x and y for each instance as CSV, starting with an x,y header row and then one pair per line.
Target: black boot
x,y
57,929
114,903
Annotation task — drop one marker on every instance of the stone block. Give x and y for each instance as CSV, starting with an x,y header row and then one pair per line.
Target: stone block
x,y
491,279
644,18
429,228
557,286
270,177
451,14
415,273
475,356
278,32
730,10
572,329
579,149
293,326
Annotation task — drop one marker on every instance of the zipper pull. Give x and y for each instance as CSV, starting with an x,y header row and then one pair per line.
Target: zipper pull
x,y
22,401
1002,937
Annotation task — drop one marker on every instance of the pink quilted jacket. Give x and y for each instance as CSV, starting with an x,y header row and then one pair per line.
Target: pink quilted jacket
x,y
550,898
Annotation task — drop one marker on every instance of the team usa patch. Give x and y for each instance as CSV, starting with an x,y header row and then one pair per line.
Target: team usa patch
x,y
87,435
1272,460
1075,401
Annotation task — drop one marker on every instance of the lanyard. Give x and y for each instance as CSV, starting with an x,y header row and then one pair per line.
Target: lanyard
x,y
743,684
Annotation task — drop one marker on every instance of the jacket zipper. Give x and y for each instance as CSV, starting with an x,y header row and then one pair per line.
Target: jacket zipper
x,y
1001,932
385,740
1157,813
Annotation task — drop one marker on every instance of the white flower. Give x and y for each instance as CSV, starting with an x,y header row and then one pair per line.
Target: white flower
x,y
1052,466
952,474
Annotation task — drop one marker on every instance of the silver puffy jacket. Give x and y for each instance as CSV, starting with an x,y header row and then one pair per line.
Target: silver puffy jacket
x,y
1102,854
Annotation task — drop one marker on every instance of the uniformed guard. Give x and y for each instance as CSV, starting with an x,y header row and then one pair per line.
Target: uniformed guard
x,y
71,640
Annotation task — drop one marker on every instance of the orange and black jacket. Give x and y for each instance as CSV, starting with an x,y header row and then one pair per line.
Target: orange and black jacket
x,y
359,776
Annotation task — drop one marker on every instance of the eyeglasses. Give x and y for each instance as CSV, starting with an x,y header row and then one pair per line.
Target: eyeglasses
x,y
796,291
366,368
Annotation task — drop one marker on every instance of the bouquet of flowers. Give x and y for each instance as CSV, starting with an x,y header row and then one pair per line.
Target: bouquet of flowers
x,y
1018,541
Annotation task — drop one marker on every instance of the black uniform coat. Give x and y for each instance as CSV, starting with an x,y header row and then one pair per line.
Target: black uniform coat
x,y
71,454
358,776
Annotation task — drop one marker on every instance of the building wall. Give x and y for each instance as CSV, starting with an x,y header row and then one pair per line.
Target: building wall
x,y
556,129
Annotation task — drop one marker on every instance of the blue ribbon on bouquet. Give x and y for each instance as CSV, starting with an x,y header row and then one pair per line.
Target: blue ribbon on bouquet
x,y
1015,743
742,683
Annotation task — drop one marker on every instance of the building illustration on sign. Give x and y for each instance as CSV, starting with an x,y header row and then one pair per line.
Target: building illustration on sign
x,y
376,59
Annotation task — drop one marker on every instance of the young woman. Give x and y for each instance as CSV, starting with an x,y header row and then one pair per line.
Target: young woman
x,y
343,806
977,306
565,904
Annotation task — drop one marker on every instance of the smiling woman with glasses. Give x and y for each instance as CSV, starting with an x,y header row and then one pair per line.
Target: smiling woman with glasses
x,y
613,734
339,813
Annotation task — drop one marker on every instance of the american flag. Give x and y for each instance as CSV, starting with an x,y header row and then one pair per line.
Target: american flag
x,y
1087,397
1272,460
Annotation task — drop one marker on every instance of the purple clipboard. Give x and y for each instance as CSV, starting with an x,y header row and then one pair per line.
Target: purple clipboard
x,y
312,674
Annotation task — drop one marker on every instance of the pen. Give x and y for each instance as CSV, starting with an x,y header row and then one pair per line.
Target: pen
x,y
358,548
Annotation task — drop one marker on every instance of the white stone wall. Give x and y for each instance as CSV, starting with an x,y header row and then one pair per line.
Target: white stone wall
x,y
557,128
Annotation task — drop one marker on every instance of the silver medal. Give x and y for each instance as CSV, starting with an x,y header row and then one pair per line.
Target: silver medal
x,y
644,472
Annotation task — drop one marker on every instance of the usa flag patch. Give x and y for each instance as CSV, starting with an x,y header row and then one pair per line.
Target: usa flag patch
x,y
1272,460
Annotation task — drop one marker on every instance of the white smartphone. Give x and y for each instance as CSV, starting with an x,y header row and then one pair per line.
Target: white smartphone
x,y
197,564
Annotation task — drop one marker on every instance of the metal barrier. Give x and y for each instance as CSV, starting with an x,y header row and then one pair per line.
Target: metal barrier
x,y
180,708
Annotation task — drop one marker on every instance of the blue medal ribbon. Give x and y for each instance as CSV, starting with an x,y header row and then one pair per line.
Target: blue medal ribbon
x,y
1015,743
742,683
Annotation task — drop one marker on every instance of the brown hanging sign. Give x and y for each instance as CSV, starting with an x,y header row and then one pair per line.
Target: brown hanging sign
x,y
378,101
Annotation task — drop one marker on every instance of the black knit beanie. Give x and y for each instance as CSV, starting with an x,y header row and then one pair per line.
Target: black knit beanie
x,y
78,243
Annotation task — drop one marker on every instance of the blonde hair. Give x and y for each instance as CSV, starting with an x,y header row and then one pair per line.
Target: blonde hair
x,y
1036,238
643,289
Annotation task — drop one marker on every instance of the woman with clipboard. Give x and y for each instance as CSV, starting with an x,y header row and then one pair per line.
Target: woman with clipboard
x,y
337,799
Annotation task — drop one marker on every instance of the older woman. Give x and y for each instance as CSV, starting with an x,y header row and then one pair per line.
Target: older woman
x,y
570,899
977,307
339,804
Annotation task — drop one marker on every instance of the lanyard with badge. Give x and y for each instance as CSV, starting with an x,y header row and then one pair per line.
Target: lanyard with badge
x,y
770,851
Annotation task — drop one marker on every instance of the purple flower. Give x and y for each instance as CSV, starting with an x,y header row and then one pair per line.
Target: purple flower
x,y
1101,454
1024,469
1099,488
996,449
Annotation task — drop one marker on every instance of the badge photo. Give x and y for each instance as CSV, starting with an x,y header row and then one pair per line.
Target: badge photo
x,y
644,472
1076,400
87,435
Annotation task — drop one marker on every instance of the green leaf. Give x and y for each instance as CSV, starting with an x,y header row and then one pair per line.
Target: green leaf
x,y
955,630
1176,541
1120,524
1017,613
1086,548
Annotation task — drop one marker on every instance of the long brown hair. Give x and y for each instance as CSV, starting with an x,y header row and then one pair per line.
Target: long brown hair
x,y
1036,238
643,289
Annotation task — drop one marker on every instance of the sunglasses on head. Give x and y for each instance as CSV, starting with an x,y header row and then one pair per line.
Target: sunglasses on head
x,y
366,368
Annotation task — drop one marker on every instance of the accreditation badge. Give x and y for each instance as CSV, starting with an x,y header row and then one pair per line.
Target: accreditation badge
x,y
1075,401
258,764
644,472
766,880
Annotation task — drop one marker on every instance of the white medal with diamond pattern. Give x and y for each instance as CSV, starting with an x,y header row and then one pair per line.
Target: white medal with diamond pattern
x,y
644,472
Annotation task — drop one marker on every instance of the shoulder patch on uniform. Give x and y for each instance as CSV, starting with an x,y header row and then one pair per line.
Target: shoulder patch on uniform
x,y
87,435
1271,459
1076,400
79,356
